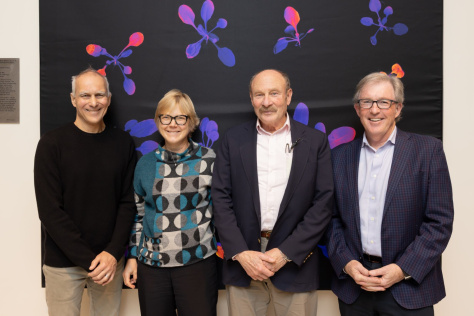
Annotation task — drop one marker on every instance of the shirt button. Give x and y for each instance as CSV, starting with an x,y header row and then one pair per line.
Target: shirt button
x,y
376,155
372,219
372,197
375,176
371,241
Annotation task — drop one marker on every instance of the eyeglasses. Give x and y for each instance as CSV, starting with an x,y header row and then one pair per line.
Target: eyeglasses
x,y
179,119
381,104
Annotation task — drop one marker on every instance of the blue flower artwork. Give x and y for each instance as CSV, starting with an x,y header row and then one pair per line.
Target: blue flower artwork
x,y
375,6
186,14
292,17
136,39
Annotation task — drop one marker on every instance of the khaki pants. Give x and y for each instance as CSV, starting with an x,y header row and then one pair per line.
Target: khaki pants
x,y
65,286
256,299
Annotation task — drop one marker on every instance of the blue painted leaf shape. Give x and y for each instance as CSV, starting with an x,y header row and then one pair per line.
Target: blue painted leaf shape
x,y
203,124
320,127
384,20
226,56
373,40
340,136
375,6
130,124
367,21
214,135
147,147
207,10
201,30
290,30
186,14
221,23
144,128
193,49
400,29
213,37
126,53
301,113
281,44
129,86
388,11
309,31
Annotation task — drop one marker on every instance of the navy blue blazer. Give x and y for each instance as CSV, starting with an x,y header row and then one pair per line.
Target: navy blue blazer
x,y
417,219
304,213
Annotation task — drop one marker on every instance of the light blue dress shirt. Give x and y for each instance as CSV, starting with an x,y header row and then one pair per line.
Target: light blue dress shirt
x,y
374,171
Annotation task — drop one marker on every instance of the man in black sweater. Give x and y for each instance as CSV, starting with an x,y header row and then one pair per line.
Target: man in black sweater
x,y
83,181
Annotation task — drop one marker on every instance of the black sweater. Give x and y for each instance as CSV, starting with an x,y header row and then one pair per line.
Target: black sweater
x,y
84,193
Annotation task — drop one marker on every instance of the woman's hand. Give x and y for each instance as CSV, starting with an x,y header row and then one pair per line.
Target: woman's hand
x,y
130,273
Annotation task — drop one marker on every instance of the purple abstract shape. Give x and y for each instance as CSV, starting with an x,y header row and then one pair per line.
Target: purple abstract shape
x,y
400,29
290,30
127,70
388,11
207,10
337,137
221,23
281,44
209,130
226,56
130,124
126,53
320,127
193,49
186,15
128,86
147,146
142,129
340,136
301,113
375,5
367,21
292,17
136,39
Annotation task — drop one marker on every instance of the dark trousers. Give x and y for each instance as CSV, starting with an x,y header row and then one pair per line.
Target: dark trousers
x,y
191,290
379,303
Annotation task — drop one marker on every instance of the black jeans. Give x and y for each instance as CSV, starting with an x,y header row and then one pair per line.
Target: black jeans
x,y
192,290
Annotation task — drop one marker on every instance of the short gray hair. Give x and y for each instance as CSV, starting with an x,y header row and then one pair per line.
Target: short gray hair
x,y
88,70
377,77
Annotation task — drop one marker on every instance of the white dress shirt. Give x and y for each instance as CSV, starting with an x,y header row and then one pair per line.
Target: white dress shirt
x,y
273,168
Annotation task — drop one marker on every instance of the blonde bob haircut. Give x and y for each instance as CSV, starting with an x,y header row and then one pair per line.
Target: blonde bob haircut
x,y
180,99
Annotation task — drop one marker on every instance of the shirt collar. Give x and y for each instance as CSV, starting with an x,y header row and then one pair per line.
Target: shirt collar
x,y
285,128
391,139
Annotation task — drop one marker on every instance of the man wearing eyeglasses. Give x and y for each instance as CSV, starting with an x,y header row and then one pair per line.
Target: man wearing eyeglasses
x,y
394,210
272,191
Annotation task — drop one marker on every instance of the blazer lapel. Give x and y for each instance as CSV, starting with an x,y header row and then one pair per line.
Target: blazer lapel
x,y
401,157
298,164
248,155
353,179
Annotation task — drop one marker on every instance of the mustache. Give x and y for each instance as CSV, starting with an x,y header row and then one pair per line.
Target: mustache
x,y
266,110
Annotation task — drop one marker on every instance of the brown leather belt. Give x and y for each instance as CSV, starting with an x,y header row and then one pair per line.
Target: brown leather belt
x,y
373,259
265,233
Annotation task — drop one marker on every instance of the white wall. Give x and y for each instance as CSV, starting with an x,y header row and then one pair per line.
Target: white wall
x,y
21,292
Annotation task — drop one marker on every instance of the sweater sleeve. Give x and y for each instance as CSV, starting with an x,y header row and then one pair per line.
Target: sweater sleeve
x,y
49,198
126,208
